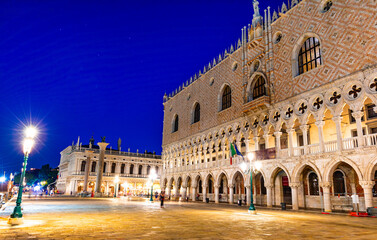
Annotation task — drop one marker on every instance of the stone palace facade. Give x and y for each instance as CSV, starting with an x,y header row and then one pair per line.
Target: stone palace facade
x,y
79,166
299,90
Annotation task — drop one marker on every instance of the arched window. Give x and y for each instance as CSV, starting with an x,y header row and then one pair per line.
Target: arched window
x,y
104,167
93,166
226,99
374,190
122,168
210,184
196,117
313,184
140,169
113,166
339,186
221,189
200,186
148,170
156,169
263,189
175,124
83,163
309,56
132,169
259,89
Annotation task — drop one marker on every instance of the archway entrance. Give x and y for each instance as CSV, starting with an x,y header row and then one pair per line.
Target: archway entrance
x,y
282,190
239,188
223,188
260,190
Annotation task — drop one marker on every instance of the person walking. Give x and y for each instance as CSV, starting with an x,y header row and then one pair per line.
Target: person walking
x,y
162,198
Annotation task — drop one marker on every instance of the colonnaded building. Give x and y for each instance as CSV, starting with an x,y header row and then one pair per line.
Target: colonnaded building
x,y
80,170
299,89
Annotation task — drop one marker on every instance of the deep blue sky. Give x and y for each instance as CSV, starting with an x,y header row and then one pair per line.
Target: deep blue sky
x,y
77,68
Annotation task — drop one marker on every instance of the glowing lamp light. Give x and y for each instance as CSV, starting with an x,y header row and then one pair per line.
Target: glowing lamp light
x,y
37,188
28,144
2,179
31,132
116,180
243,166
153,174
250,156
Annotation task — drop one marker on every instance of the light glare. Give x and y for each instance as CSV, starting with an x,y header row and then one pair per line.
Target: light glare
x,y
31,132
28,144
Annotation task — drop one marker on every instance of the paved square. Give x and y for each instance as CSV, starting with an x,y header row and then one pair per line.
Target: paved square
x,y
63,218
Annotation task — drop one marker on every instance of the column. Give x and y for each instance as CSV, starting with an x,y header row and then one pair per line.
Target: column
x,y
176,192
102,146
193,194
204,188
290,141
294,189
368,194
339,140
269,195
205,157
266,139
231,191
326,196
358,115
277,142
168,192
247,145
320,125
183,192
248,195
256,142
304,129
87,169
217,193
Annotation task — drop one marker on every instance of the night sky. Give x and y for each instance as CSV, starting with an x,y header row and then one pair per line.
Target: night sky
x,y
101,68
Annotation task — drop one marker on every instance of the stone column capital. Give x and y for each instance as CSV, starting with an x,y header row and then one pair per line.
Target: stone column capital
x,y
230,185
256,139
217,186
367,184
278,134
295,184
325,184
320,123
337,119
304,128
290,130
358,114
102,146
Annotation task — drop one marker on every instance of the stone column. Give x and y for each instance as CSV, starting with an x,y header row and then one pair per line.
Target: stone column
x,y
231,191
87,169
217,193
368,194
256,142
193,194
183,192
304,129
326,186
290,141
266,139
339,140
277,146
176,192
320,125
248,195
269,195
168,192
294,189
102,146
247,145
358,115
204,188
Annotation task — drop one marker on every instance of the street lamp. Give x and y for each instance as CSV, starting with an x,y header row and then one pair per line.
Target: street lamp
x,y
30,134
152,177
244,168
116,181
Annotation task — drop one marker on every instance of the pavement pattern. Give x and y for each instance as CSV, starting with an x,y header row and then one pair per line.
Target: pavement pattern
x,y
125,218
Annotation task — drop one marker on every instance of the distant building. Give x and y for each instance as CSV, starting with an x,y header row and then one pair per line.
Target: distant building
x,y
132,169
299,91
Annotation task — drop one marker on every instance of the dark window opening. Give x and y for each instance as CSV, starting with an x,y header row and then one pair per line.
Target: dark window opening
x,y
309,56
83,163
226,98
197,113
313,184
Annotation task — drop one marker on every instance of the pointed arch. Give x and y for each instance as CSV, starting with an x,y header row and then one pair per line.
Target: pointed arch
x,y
225,97
174,124
195,113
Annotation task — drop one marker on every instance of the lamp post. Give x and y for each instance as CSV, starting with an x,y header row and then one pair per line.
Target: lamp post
x,y
152,177
16,216
116,181
244,168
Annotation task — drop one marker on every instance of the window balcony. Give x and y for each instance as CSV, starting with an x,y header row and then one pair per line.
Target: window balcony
x,y
256,103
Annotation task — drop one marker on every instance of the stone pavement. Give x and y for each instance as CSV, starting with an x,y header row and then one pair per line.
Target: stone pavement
x,y
64,218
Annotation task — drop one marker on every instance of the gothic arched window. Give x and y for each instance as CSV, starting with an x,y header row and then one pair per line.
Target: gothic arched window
x,y
226,99
175,124
313,184
309,56
148,170
83,163
122,168
259,89
113,166
156,169
200,186
140,169
196,117
132,169
93,166
339,185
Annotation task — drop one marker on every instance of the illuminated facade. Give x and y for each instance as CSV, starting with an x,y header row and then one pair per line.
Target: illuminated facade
x,y
132,170
299,90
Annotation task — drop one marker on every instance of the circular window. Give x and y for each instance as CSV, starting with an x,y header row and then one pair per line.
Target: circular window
x,y
277,37
234,66
326,5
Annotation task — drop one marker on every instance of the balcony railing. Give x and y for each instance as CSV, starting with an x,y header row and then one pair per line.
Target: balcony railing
x,y
106,174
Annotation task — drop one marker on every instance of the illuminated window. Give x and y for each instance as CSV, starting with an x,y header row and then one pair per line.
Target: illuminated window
x,y
259,89
309,56
226,101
